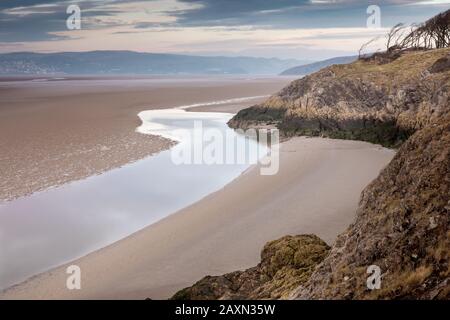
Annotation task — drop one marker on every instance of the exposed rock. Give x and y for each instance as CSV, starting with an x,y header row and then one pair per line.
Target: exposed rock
x,y
441,65
285,264
364,100
402,226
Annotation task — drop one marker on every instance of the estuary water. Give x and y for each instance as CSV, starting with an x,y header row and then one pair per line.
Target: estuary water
x,y
49,228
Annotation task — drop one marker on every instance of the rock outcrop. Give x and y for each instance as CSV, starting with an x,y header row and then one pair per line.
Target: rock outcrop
x,y
402,226
285,264
365,100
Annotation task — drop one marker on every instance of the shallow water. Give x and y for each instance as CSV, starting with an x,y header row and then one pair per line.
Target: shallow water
x,y
49,228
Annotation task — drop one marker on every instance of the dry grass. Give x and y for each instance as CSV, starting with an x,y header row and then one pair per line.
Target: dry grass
x,y
404,69
404,284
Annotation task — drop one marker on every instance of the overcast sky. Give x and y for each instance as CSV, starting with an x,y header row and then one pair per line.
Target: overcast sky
x,y
302,29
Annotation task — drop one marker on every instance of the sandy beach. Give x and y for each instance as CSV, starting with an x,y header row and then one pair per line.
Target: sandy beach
x,y
56,131
316,191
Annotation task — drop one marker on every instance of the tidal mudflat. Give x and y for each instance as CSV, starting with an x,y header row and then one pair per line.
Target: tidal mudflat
x,y
51,227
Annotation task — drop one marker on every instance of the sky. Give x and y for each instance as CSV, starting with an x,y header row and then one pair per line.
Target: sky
x,y
301,29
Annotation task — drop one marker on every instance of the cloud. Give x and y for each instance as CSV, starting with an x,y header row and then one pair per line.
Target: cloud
x,y
30,23
38,20
272,26
8,4
286,13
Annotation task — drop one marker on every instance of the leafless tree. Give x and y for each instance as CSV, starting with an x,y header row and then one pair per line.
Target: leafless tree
x,y
365,45
393,37
434,33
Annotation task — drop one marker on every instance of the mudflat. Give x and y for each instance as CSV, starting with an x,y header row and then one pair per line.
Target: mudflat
x,y
53,130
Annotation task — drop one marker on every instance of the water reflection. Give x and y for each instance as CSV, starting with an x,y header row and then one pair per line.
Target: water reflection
x,y
49,228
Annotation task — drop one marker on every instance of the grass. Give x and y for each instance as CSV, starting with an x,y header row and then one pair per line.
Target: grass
x,y
404,284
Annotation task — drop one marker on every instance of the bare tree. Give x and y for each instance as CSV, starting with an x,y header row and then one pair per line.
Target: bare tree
x,y
434,33
365,45
394,36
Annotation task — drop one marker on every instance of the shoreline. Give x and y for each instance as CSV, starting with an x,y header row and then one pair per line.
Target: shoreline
x,y
176,251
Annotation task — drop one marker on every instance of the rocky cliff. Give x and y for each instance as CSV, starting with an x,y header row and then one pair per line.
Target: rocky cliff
x,y
402,226
403,219
366,100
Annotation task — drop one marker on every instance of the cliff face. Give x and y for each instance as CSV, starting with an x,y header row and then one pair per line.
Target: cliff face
x,y
366,100
403,219
402,226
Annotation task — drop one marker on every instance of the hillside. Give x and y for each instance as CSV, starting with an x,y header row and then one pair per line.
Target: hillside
x,y
128,62
306,69
402,223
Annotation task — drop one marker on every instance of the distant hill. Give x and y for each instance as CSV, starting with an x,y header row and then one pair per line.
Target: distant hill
x,y
316,66
128,62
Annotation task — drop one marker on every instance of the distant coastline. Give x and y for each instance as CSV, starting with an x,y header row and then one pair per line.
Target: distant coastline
x,y
137,63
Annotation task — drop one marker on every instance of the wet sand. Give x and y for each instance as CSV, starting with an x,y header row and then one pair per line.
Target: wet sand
x,y
316,191
54,132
